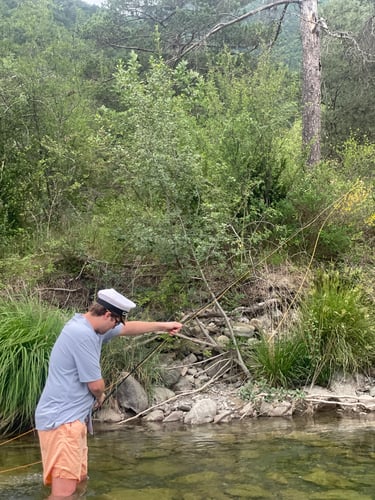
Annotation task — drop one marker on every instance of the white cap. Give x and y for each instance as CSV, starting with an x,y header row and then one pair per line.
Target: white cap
x,y
114,301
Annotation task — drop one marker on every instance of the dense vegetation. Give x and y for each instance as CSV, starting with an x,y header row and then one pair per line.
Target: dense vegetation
x,y
124,165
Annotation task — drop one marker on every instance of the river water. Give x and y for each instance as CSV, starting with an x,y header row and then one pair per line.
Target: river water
x,y
322,458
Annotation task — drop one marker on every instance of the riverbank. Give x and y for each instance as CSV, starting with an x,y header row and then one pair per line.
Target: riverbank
x,y
193,399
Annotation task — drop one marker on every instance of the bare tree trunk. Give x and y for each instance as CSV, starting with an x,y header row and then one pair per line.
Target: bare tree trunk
x,y
311,92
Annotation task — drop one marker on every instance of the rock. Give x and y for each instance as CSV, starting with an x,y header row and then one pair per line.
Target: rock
x,y
202,412
183,385
108,415
185,407
248,410
170,377
160,394
175,416
241,330
276,409
201,380
344,386
131,395
189,360
224,416
223,341
154,416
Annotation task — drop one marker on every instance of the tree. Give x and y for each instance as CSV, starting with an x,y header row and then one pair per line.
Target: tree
x,y
44,112
348,77
191,31
311,79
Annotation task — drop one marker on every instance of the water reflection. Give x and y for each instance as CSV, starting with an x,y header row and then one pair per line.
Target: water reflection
x,y
320,458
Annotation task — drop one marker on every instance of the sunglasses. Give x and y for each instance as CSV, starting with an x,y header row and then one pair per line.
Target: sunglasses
x,y
119,319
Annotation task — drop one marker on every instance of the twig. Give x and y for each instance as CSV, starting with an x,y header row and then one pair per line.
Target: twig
x,y
175,367
196,341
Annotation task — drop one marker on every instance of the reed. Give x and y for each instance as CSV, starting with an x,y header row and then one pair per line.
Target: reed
x,y
28,331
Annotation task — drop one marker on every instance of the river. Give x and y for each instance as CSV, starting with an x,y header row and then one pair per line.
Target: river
x,y
321,457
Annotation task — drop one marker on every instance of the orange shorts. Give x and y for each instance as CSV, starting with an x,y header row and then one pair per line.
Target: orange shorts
x,y
64,452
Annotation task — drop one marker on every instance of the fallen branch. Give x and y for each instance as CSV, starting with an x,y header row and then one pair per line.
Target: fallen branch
x,y
174,367
339,396
341,403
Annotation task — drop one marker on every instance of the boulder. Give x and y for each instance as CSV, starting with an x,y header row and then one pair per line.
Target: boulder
x,y
131,395
202,412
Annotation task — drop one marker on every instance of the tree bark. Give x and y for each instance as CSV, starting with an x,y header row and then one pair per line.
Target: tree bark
x,y
311,89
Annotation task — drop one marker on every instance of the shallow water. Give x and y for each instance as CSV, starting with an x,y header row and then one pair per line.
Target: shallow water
x,y
321,458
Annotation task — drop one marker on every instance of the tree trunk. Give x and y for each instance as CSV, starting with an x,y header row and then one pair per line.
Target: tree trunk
x,y
311,92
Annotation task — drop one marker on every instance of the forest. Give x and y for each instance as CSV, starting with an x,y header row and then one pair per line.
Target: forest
x,y
157,147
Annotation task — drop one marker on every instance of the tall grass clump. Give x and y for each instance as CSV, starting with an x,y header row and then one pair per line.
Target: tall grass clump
x,y
28,331
338,325
281,362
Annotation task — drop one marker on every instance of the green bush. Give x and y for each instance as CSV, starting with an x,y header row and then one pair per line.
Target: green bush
x,y
28,331
333,209
260,390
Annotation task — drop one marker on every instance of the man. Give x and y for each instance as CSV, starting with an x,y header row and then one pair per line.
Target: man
x,y
75,384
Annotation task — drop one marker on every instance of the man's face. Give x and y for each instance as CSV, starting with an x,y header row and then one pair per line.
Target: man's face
x,y
109,321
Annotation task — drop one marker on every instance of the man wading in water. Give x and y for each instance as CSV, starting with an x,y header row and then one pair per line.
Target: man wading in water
x,y
75,384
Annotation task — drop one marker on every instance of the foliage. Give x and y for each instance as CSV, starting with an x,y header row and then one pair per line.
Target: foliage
x,y
210,149
45,114
262,390
338,326
335,333
127,25
326,211
27,333
348,72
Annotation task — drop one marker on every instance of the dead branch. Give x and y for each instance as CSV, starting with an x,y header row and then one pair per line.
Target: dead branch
x,y
196,341
205,332
220,26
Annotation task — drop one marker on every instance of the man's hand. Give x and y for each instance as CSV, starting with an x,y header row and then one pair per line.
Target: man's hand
x,y
99,402
173,327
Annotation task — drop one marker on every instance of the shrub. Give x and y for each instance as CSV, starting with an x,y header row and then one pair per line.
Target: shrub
x,y
260,390
335,212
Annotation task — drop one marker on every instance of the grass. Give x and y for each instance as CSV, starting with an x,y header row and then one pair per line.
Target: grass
x,y
282,362
336,333
339,326
27,333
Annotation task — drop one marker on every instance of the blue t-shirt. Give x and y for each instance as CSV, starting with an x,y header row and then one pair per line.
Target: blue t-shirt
x,y
74,361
